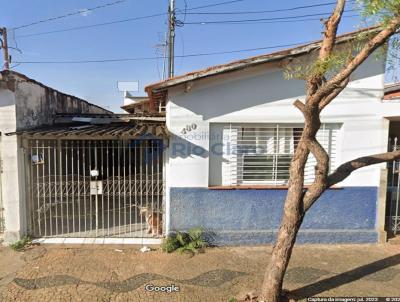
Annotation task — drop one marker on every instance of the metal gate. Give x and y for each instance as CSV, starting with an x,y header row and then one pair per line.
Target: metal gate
x,y
393,191
96,188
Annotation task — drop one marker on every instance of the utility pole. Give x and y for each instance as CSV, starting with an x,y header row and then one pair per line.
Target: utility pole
x,y
164,68
171,38
4,46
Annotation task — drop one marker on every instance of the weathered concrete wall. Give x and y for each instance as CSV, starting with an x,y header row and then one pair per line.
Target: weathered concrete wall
x,y
36,103
25,103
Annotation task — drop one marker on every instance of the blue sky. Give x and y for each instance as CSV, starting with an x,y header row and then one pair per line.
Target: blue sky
x,y
97,82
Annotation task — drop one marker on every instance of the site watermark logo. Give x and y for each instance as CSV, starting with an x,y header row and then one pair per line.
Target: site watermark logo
x,y
190,144
162,289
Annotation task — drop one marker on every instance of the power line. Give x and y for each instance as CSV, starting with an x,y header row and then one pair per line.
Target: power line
x,y
197,23
120,21
260,19
265,11
69,14
285,21
215,4
159,57
126,20
93,25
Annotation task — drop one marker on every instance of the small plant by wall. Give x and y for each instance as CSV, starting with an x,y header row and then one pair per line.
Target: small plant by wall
x,y
2,220
193,241
21,244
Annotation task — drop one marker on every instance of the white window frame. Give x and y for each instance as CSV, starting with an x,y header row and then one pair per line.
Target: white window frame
x,y
234,169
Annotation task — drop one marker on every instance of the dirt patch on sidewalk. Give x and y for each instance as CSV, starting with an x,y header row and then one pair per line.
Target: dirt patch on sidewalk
x,y
11,262
105,273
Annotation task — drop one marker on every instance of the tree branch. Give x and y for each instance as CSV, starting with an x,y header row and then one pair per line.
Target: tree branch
x,y
331,26
380,38
319,187
326,100
321,174
347,168
299,105
311,115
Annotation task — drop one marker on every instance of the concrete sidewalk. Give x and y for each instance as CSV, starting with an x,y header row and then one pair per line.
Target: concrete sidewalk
x,y
110,273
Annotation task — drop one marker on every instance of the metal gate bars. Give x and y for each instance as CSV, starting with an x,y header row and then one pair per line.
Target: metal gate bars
x,y
95,188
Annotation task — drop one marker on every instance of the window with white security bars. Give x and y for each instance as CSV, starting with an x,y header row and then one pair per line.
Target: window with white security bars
x,y
261,154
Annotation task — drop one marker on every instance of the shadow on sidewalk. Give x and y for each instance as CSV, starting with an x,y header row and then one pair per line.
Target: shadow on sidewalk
x,y
344,278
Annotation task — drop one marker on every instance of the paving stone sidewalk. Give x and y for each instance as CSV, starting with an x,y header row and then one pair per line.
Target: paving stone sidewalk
x,y
120,273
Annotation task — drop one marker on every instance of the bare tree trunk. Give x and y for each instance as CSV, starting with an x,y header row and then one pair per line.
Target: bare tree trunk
x,y
281,254
293,213
319,93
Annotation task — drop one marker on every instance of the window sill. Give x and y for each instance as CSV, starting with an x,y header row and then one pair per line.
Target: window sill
x,y
260,187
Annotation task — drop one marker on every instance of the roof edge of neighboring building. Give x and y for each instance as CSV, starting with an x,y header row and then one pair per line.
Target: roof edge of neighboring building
x,y
390,87
252,61
135,104
5,73
392,91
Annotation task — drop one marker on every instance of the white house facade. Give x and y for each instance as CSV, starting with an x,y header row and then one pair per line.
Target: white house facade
x,y
233,131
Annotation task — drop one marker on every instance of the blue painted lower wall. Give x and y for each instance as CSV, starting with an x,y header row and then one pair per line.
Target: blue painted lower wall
x,y
236,217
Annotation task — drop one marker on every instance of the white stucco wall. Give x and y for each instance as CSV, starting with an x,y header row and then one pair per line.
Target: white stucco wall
x,y
262,95
10,178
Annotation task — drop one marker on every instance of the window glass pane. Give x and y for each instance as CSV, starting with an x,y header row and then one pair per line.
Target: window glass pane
x,y
258,167
283,165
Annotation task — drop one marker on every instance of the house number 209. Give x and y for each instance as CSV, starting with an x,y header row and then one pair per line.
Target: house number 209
x,y
189,128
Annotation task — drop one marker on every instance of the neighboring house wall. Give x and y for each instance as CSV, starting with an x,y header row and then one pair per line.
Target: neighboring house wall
x,y
262,95
25,103
9,166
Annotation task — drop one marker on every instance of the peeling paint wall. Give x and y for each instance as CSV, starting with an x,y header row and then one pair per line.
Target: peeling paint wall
x,y
36,104
25,103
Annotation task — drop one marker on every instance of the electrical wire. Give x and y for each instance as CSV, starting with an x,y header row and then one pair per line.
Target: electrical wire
x,y
265,11
245,21
159,57
91,26
116,21
260,19
124,20
69,14
215,4
285,21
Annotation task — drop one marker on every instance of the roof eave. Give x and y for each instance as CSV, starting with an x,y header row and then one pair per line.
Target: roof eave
x,y
252,61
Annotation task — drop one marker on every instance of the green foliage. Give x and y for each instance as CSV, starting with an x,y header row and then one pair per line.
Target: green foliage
x,y
322,67
379,10
382,12
232,300
374,12
170,244
300,70
21,244
191,242
2,223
